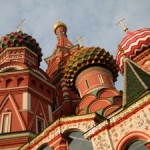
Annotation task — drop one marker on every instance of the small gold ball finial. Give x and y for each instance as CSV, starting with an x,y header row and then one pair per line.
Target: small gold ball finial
x,y
59,24
122,24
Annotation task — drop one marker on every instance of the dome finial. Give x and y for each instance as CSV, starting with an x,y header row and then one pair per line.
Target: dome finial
x,y
122,24
19,27
59,24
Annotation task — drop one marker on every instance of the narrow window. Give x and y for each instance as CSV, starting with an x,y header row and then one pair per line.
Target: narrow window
x,y
49,93
20,81
41,87
8,83
40,125
6,120
33,84
87,84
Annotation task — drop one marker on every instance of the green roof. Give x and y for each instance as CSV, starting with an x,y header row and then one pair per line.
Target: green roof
x,y
137,82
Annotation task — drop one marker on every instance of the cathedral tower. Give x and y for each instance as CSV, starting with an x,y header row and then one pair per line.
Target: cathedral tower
x,y
26,94
65,97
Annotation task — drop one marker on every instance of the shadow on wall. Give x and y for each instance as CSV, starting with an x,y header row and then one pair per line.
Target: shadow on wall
x,y
137,145
79,142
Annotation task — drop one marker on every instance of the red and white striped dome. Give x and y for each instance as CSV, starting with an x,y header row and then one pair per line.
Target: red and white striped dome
x,y
133,44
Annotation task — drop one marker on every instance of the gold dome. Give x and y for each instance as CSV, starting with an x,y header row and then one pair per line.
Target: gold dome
x,y
59,24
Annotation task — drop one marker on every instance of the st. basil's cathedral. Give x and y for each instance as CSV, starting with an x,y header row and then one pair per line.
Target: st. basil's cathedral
x,y
40,109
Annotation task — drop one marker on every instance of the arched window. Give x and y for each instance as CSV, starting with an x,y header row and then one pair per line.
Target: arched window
x,y
20,81
8,83
136,145
41,88
78,142
33,84
49,93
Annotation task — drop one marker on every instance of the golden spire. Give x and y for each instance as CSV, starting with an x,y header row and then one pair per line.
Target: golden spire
x,y
122,24
19,27
79,40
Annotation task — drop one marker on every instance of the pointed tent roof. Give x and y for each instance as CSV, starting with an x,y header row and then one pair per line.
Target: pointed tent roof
x,y
136,82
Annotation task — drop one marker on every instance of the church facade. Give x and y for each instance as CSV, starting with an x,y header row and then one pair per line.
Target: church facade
x,y
77,93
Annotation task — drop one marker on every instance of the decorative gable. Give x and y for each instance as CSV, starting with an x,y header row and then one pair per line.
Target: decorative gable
x,y
8,108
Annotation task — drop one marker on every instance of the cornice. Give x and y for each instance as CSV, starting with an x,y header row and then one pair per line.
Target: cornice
x,y
17,135
17,48
28,71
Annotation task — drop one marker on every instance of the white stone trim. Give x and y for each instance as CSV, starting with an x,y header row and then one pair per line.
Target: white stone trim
x,y
11,66
8,89
50,113
26,101
8,123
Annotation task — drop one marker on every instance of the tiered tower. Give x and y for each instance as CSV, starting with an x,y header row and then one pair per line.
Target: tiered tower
x,y
65,97
26,94
92,71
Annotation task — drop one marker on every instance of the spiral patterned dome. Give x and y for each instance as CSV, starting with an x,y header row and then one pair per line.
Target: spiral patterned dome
x,y
20,39
133,44
86,57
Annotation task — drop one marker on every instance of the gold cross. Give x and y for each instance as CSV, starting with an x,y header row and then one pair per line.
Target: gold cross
x,y
79,40
122,24
19,27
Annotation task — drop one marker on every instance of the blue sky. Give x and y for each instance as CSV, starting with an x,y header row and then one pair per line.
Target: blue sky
x,y
95,19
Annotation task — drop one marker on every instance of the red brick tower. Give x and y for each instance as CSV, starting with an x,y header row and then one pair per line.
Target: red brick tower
x,y
64,97
26,94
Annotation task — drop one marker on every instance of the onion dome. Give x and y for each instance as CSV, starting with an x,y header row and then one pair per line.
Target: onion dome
x,y
132,45
86,57
20,39
59,24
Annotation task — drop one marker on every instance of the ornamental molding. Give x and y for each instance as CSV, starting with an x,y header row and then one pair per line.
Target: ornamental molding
x,y
17,135
17,67
62,126
130,109
17,48
122,114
